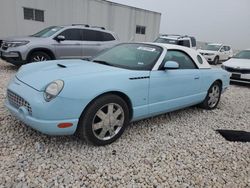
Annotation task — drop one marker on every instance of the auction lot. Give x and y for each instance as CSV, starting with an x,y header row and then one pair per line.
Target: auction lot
x,y
180,149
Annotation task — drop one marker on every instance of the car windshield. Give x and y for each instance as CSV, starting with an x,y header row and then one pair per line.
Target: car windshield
x,y
47,32
243,55
130,56
212,47
166,41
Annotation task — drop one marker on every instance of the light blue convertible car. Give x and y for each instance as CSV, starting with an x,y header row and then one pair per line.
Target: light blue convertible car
x,y
97,99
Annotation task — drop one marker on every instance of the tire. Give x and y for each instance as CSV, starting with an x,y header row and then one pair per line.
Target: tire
x,y
96,128
213,97
39,56
216,60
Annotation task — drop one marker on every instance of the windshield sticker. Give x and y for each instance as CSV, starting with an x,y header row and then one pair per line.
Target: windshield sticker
x,y
140,63
146,49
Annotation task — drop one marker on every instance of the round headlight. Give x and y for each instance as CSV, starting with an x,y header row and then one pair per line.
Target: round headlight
x,y
53,89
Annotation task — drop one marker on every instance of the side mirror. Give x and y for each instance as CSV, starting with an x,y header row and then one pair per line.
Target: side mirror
x,y
60,38
171,65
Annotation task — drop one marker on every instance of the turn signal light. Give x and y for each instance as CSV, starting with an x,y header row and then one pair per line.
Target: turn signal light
x,y
64,125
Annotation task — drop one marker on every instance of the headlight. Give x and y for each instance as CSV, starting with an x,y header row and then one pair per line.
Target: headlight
x,y
16,43
53,89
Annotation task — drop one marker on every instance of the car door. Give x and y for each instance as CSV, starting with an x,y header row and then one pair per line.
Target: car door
x,y
223,53
174,89
71,47
228,52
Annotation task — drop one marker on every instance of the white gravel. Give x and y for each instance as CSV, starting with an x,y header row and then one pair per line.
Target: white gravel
x,y
180,149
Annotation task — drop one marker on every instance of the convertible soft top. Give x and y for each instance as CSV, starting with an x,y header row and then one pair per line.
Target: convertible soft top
x,y
191,52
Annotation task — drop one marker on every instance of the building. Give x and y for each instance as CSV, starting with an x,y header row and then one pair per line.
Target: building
x,y
25,17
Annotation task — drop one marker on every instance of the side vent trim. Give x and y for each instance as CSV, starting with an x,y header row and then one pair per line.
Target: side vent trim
x,y
139,78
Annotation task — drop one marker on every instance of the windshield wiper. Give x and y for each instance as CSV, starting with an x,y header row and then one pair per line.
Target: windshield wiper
x,y
102,62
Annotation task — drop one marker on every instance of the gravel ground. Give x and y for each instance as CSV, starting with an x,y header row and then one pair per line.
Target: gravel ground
x,y
180,149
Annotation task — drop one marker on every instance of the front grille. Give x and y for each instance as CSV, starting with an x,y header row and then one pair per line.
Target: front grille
x,y
17,101
242,71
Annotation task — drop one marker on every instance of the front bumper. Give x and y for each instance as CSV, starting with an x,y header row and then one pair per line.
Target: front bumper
x,y
48,127
238,75
12,57
209,58
43,116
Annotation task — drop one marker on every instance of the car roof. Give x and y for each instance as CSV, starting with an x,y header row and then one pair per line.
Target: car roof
x,y
216,44
192,52
175,37
83,26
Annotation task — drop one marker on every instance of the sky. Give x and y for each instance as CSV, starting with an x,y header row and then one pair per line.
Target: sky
x,y
220,21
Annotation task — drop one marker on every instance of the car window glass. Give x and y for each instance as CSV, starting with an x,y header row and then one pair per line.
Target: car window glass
x,y
184,61
72,34
184,43
92,35
199,59
193,40
107,37
131,56
223,49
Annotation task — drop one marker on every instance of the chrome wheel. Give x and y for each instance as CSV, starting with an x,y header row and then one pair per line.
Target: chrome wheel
x,y
214,96
108,121
39,58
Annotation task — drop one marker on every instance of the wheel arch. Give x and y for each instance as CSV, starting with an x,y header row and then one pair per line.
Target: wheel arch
x,y
118,93
219,81
45,50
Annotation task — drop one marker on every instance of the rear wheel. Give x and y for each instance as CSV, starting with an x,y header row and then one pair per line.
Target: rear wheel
x,y
213,96
104,120
39,56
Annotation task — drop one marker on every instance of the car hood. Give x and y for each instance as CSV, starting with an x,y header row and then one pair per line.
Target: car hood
x,y
39,75
207,51
238,63
27,38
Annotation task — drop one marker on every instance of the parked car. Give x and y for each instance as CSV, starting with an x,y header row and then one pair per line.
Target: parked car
x,y
57,42
182,40
239,67
97,99
214,53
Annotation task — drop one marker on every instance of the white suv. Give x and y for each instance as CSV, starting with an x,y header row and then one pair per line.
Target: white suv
x,y
214,53
182,40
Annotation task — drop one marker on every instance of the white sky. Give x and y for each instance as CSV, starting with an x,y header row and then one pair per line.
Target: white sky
x,y
222,21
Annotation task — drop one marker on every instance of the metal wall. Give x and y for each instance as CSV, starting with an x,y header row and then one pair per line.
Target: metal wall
x,y
119,18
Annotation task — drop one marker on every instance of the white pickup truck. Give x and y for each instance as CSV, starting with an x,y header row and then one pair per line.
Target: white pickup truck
x,y
182,40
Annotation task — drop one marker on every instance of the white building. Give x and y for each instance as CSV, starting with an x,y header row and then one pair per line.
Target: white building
x,y
25,17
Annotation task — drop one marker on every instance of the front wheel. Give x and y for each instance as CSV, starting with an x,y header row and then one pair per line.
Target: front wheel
x,y
39,56
216,60
213,96
104,120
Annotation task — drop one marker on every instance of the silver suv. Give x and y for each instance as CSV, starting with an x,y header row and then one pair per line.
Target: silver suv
x,y
57,42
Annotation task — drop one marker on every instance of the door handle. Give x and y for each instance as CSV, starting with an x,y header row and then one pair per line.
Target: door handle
x,y
196,77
